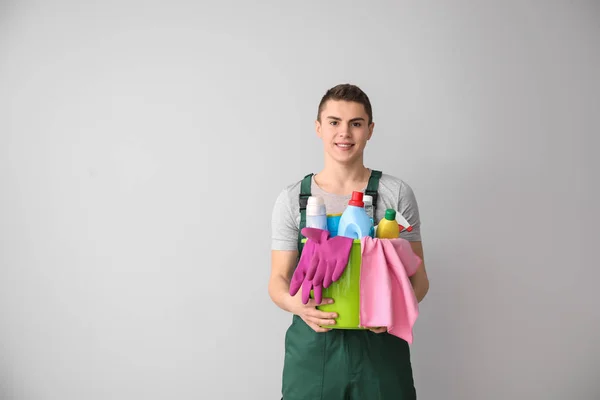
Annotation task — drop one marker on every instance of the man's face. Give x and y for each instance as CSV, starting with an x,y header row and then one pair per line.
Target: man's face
x,y
344,130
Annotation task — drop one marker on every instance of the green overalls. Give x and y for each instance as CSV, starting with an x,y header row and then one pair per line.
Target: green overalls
x,y
344,364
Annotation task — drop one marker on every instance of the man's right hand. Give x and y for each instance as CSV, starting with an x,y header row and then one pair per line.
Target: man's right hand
x,y
282,267
314,317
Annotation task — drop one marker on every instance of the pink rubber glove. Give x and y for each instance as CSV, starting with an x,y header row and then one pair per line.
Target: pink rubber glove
x,y
309,263
323,262
330,260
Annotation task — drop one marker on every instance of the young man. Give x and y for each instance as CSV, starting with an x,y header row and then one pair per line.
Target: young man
x,y
338,364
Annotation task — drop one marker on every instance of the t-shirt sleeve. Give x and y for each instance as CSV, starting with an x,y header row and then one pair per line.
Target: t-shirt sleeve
x,y
408,207
284,228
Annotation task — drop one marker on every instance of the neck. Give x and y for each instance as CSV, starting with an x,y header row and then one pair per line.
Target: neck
x,y
343,178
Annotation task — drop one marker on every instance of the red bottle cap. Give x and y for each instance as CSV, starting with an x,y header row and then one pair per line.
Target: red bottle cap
x,y
357,199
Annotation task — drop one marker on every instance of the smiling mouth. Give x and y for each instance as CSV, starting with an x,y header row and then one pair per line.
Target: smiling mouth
x,y
344,145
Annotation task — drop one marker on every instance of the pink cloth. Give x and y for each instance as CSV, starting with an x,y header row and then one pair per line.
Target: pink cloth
x,y
386,294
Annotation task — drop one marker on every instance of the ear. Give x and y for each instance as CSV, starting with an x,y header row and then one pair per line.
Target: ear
x,y
371,128
318,129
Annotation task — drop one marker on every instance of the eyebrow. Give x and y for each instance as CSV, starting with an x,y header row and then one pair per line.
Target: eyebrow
x,y
352,120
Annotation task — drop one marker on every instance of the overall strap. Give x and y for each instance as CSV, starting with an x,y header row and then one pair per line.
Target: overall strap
x,y
303,201
372,187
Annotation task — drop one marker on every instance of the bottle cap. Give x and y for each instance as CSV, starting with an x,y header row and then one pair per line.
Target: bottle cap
x,y
315,206
390,214
368,200
357,199
315,201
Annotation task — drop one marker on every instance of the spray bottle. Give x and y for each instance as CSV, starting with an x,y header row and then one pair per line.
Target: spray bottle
x,y
388,228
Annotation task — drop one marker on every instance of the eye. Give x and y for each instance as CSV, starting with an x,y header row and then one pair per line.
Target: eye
x,y
357,124
334,123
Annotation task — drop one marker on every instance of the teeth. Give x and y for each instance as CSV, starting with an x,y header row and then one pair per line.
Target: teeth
x,y
344,145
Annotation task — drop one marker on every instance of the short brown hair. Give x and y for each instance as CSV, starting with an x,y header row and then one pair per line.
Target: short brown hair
x,y
347,92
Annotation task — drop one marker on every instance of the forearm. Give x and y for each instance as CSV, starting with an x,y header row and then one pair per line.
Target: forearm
x,y
421,292
420,284
279,291
420,281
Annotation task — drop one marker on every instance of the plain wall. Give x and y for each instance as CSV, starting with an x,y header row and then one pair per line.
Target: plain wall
x,y
143,144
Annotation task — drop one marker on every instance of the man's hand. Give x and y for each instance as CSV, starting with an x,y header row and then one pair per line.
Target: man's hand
x,y
282,267
313,317
378,330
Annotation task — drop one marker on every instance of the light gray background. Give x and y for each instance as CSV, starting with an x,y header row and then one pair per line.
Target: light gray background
x,y
137,186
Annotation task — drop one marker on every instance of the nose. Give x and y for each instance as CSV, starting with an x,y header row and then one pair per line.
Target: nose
x,y
343,132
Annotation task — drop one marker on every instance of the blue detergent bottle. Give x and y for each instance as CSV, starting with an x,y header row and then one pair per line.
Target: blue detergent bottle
x,y
355,223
